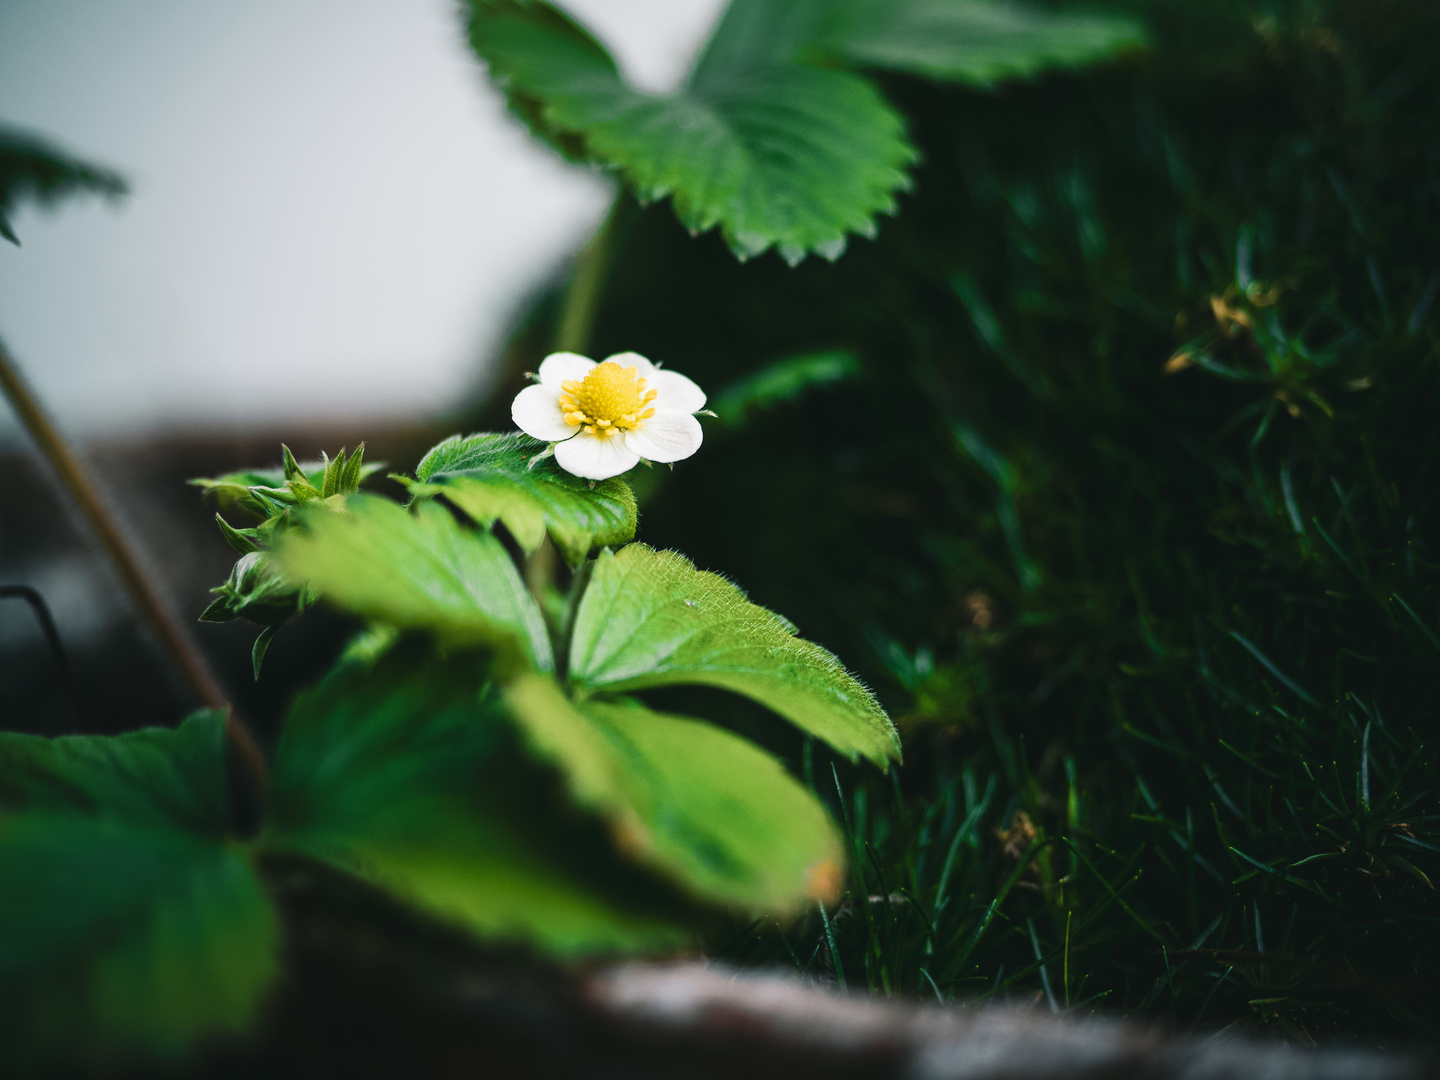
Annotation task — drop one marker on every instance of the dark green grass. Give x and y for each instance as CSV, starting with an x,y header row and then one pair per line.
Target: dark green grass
x,y
1187,624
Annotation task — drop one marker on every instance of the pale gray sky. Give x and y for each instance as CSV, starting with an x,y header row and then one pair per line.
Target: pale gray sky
x,y
331,215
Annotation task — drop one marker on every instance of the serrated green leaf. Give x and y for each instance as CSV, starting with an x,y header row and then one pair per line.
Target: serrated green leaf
x,y
489,477
514,36
405,775
160,777
121,938
417,570
713,811
780,155
649,618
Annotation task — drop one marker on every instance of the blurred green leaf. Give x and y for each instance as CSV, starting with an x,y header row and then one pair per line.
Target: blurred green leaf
x,y
409,777
33,168
973,41
716,813
153,777
786,155
118,938
127,923
417,570
490,478
649,618
783,381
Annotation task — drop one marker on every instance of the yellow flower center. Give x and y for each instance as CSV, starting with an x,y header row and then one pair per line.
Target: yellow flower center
x,y
609,399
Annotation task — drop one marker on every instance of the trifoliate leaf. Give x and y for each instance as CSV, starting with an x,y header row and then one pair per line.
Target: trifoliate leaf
x,y
418,570
121,938
649,618
784,155
713,811
405,775
31,168
973,41
490,478
163,777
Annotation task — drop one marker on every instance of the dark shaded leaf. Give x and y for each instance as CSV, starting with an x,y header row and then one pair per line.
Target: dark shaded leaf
x,y
407,776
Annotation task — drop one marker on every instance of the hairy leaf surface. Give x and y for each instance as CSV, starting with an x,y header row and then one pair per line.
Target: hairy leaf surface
x,y
649,618
407,777
489,477
420,571
716,813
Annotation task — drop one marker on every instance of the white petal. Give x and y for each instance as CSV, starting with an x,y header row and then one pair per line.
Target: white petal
x,y
536,411
561,366
595,458
669,435
677,392
643,367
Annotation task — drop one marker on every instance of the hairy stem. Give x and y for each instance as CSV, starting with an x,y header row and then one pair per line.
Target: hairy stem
x,y
175,641
587,283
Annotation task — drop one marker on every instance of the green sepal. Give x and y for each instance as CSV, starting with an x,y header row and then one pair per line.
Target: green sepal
x,y
261,647
243,541
257,591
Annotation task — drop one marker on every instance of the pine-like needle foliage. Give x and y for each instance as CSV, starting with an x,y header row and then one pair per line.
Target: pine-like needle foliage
x,y
1131,506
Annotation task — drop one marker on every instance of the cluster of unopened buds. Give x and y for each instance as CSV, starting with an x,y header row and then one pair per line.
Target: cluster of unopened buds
x,y
603,419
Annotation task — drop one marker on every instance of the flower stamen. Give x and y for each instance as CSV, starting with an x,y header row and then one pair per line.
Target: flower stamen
x,y
610,398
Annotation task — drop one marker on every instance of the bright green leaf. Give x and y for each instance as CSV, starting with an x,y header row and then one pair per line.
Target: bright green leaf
x,y
169,777
780,155
119,938
419,570
489,477
972,41
405,775
716,813
649,618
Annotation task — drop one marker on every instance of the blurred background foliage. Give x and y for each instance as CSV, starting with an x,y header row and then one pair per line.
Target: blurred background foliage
x,y
1110,464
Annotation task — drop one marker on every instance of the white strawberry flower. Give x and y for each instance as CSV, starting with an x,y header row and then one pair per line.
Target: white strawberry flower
x,y
603,419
